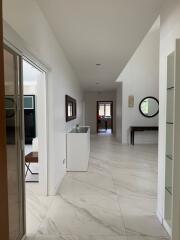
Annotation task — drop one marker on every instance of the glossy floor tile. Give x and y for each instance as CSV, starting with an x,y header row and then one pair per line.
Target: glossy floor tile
x,y
114,200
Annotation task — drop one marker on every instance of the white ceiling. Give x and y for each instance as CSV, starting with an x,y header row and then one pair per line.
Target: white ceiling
x,y
100,31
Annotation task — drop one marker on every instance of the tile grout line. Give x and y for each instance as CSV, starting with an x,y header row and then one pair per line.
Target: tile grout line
x,y
120,210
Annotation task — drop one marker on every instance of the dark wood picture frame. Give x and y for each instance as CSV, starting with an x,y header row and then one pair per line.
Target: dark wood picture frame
x,y
72,101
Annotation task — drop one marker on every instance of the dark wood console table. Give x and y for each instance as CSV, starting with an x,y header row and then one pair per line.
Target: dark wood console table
x,y
134,129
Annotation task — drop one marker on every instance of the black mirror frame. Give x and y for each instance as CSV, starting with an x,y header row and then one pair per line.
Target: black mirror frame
x,y
143,101
69,99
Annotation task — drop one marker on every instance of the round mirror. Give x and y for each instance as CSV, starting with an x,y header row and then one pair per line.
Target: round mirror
x,y
149,107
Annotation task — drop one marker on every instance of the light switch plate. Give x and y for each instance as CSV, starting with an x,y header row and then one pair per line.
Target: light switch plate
x,y
131,101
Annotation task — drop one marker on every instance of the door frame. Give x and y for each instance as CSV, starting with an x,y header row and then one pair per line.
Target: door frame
x,y
21,138
4,217
12,40
17,44
112,117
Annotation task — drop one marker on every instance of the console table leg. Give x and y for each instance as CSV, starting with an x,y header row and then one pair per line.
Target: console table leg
x,y
131,137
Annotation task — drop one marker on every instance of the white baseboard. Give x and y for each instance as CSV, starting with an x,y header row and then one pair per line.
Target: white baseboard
x,y
160,218
164,224
167,227
24,238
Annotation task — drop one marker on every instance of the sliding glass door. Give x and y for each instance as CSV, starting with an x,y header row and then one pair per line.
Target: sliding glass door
x,y
14,140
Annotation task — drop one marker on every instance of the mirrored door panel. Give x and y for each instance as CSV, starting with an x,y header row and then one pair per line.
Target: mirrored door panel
x,y
13,101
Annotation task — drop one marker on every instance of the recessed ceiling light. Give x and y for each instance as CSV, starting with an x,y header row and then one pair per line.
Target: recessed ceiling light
x,y
98,64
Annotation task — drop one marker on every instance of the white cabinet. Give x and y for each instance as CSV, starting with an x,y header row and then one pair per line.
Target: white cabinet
x,y
78,149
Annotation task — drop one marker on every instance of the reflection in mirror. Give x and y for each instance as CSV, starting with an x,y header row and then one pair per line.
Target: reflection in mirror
x,y
70,109
149,107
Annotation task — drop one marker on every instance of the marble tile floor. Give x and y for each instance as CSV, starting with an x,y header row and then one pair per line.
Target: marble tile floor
x,y
114,200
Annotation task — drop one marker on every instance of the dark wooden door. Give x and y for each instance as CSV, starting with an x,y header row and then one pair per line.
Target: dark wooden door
x,y
4,222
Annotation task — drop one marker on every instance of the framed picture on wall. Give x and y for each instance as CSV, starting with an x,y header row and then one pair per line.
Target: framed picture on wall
x,y
70,108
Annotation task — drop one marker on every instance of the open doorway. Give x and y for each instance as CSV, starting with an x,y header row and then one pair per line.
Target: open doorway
x,y
34,95
105,117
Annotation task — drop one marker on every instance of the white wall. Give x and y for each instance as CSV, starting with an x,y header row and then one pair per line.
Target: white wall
x,y
119,112
170,31
30,90
26,18
91,99
141,79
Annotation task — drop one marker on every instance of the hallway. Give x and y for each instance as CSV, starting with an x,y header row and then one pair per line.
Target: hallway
x,y
115,200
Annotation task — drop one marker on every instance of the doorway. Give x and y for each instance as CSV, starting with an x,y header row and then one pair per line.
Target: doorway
x,y
104,117
26,134
35,134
